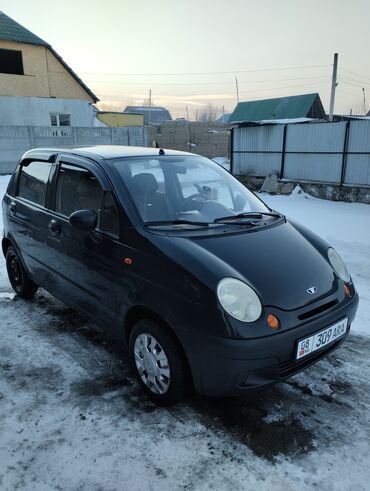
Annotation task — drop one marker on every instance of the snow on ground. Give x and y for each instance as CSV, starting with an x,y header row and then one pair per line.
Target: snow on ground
x,y
73,417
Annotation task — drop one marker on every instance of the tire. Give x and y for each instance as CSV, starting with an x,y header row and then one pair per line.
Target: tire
x,y
23,286
158,363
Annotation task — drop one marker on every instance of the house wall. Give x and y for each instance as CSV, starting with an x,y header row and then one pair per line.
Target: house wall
x,y
35,111
120,119
43,76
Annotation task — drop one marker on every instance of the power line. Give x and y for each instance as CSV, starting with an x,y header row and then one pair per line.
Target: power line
x,y
160,84
358,85
270,89
357,74
302,67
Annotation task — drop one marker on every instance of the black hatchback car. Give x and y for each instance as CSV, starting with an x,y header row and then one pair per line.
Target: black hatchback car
x,y
177,260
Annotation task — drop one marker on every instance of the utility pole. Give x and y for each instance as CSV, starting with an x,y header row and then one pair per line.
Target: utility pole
x,y
150,107
363,92
333,86
237,89
223,114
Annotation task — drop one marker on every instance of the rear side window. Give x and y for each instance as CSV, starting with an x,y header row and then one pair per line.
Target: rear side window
x,y
77,189
33,181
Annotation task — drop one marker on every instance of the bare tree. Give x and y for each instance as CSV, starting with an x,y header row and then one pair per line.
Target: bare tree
x,y
209,113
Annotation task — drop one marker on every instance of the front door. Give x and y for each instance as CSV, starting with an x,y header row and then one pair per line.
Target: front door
x,y
86,264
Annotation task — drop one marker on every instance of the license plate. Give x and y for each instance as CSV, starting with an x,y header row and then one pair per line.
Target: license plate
x,y
319,340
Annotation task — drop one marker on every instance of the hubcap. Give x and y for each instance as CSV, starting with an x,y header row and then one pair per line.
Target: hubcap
x,y
152,363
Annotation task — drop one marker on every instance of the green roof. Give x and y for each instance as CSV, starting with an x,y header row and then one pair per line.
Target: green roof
x,y
296,106
10,30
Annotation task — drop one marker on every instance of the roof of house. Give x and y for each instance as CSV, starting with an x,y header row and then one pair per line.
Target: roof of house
x,y
10,30
296,106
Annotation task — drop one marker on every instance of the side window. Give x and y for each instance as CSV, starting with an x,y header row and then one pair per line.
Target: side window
x,y
109,215
33,181
77,189
147,175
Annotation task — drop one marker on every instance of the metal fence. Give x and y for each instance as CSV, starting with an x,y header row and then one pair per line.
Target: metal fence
x,y
15,140
335,153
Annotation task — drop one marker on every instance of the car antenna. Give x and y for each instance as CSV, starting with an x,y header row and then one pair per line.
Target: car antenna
x,y
161,151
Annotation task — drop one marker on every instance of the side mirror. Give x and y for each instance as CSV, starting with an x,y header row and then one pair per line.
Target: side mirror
x,y
84,219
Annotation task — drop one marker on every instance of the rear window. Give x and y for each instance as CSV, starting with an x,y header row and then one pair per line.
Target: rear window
x,y
33,181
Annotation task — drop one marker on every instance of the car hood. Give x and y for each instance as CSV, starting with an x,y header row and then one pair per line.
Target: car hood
x,y
279,262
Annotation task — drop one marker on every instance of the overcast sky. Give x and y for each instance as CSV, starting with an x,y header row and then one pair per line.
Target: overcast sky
x,y
189,51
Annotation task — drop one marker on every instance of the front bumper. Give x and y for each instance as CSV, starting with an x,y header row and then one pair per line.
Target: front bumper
x,y
226,367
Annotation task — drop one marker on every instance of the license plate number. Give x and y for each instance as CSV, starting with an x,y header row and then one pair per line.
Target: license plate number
x,y
319,340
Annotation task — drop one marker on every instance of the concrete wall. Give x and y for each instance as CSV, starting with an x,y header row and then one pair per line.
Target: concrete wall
x,y
208,139
43,75
35,111
15,140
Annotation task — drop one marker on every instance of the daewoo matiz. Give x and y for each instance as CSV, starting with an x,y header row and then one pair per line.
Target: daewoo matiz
x,y
177,260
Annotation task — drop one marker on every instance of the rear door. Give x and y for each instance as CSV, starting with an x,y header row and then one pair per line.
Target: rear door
x,y
87,264
28,214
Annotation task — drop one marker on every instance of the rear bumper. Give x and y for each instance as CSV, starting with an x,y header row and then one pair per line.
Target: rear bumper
x,y
226,367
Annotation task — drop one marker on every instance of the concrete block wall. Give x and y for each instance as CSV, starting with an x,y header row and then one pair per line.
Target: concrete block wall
x,y
208,139
16,140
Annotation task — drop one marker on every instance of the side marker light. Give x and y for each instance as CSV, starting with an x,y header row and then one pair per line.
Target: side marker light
x,y
273,321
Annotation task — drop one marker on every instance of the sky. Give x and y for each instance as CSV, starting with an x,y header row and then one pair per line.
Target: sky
x,y
188,52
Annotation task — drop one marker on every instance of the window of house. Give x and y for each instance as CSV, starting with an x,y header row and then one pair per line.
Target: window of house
x,y
60,119
11,62
77,189
109,216
33,180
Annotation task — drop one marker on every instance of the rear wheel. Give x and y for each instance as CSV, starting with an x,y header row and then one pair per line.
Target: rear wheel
x,y
18,277
158,362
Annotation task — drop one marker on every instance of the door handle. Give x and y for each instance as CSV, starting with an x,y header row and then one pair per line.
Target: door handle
x,y
13,207
54,227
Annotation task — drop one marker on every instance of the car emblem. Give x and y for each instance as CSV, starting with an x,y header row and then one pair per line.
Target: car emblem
x,y
312,290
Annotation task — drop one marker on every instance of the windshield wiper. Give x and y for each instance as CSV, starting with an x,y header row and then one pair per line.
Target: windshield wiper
x,y
156,223
249,214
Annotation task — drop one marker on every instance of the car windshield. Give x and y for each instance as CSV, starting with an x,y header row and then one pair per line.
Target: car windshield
x,y
184,188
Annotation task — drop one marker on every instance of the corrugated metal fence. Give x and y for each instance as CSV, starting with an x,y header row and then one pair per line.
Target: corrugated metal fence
x,y
336,153
15,140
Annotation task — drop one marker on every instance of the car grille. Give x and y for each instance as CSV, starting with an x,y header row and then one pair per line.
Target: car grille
x,y
291,367
317,310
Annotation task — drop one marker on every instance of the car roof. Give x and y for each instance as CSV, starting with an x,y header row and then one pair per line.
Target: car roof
x,y
107,151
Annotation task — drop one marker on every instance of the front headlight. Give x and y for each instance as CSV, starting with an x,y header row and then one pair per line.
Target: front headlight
x,y
239,300
338,265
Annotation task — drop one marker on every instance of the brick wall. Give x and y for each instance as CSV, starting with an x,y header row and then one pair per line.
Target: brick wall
x,y
208,139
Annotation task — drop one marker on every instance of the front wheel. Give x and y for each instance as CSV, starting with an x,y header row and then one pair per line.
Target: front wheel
x,y
21,283
158,362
